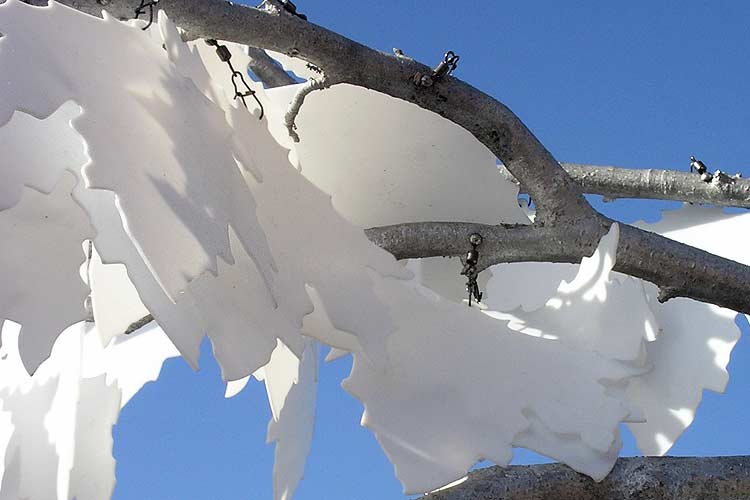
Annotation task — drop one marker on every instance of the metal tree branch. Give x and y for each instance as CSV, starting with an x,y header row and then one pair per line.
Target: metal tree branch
x,y
654,184
683,478
678,270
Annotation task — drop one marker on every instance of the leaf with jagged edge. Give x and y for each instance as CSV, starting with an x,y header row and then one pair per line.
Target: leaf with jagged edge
x,y
39,267
291,386
386,161
161,133
462,387
692,352
57,140
702,334
292,429
115,301
42,235
30,166
130,361
594,463
61,444
594,312
329,254
60,419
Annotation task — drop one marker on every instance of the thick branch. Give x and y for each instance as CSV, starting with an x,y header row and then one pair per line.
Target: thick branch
x,y
556,196
679,270
617,182
683,478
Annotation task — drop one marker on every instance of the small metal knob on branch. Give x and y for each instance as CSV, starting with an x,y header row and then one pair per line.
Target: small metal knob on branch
x,y
445,67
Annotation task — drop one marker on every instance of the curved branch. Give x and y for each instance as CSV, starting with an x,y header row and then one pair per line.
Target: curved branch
x,y
678,270
618,182
556,196
686,478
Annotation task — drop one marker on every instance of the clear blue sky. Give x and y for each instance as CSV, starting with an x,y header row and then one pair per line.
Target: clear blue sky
x,y
639,84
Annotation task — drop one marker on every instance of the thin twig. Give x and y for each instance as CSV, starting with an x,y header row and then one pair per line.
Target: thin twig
x,y
312,85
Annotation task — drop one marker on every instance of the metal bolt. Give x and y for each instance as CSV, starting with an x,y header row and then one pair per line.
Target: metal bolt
x,y
475,239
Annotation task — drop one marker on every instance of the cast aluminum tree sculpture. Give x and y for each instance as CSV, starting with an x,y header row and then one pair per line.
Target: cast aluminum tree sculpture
x,y
163,189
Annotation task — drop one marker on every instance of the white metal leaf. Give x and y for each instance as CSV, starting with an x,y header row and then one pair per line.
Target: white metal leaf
x,y
692,351
690,355
292,390
386,161
461,387
29,145
693,340
115,300
57,440
39,267
161,134
525,285
129,361
330,255
595,313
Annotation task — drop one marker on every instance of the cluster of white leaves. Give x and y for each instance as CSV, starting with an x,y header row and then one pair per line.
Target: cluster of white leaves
x,y
55,426
217,224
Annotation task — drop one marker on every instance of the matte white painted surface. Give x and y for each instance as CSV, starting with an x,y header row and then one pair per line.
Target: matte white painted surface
x,y
115,300
462,387
56,426
386,161
39,267
151,135
182,175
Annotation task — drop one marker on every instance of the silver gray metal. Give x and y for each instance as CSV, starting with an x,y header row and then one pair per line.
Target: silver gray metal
x,y
655,184
640,478
679,270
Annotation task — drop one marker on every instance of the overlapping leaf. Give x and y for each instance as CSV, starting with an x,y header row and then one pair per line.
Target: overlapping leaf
x,y
56,425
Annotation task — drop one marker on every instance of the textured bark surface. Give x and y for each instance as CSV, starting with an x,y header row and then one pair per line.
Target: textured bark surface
x,y
268,70
679,270
618,182
649,478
